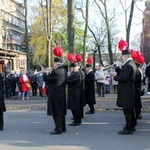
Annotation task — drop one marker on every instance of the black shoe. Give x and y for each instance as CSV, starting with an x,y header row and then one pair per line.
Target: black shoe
x,y
133,129
1,129
139,117
74,124
55,132
64,130
89,112
125,132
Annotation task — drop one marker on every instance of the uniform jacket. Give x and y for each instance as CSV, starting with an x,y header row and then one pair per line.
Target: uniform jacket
x,y
2,103
82,87
138,103
73,99
147,71
126,85
89,88
56,91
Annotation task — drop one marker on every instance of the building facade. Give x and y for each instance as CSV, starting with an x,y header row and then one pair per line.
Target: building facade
x,y
145,35
12,29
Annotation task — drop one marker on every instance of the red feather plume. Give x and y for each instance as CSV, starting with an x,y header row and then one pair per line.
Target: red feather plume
x,y
89,60
79,57
133,53
139,58
71,57
122,45
57,51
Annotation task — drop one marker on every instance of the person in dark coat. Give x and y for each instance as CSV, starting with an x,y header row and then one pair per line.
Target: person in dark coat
x,y
138,103
147,72
2,104
57,95
33,80
73,99
7,83
82,91
89,89
126,91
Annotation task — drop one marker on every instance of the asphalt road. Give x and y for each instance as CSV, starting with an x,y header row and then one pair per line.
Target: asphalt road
x,y
29,130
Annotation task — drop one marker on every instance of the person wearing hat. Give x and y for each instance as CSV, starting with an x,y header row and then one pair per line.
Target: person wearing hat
x,y
73,99
2,104
89,89
56,106
126,91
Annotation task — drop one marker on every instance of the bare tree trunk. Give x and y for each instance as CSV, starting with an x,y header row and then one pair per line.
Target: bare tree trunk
x,y
130,22
26,36
70,27
49,31
85,32
106,19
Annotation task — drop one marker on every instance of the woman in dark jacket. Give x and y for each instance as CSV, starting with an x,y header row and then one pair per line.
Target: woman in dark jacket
x,y
2,103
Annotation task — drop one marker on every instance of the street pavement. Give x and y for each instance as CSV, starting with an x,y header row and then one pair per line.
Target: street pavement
x,y
29,130
27,127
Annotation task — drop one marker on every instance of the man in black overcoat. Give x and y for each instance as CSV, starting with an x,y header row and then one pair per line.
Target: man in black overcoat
x,y
126,91
82,91
2,103
57,95
74,95
89,89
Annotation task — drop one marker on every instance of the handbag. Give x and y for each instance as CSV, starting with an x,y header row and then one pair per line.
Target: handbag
x,y
142,92
28,85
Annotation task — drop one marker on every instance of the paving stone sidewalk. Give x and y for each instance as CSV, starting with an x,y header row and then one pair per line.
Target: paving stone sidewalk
x,y
102,103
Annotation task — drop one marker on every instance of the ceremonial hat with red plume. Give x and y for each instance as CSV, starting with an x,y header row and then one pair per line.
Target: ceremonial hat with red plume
x,y
122,46
137,56
58,52
89,62
72,58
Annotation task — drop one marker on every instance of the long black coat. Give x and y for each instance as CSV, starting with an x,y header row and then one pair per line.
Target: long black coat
x,y
82,87
56,91
89,88
73,98
138,103
2,103
126,85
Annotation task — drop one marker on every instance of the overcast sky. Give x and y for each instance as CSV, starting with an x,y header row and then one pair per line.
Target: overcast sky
x,y
137,19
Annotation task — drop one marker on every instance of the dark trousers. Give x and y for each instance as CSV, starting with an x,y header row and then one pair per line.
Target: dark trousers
x,y
60,123
40,91
76,116
1,120
101,89
81,111
8,92
34,90
91,106
148,86
130,118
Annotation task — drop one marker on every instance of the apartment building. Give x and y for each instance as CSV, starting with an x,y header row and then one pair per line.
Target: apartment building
x,y
12,41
